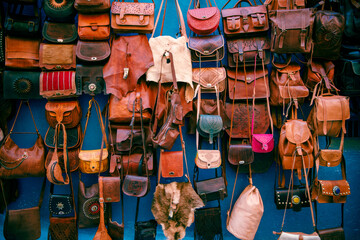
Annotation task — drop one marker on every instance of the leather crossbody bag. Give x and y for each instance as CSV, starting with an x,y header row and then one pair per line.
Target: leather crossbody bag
x,y
144,229
203,21
91,52
92,6
59,84
209,79
57,56
22,53
206,48
21,85
208,223
16,162
94,27
61,33
91,78
67,112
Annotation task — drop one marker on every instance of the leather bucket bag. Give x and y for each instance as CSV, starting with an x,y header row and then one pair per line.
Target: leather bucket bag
x,y
203,21
94,27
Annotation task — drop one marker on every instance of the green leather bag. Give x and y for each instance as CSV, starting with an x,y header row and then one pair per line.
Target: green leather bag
x,y
209,126
73,137
21,85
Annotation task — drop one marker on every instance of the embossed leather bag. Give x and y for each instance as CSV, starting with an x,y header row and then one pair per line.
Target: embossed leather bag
x,y
94,27
203,21
244,51
92,6
240,21
210,79
91,52
19,162
59,84
132,17
59,11
22,53
206,48
59,32
91,79
21,85
111,187
209,126
171,164
66,112
57,56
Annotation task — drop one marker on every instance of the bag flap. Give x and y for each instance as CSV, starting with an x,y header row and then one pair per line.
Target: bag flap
x,y
330,155
172,164
332,107
111,188
250,76
356,67
59,32
73,137
291,68
136,185
60,204
248,44
57,54
283,4
334,187
22,48
92,51
94,20
297,131
209,77
123,135
208,158
87,3
210,124
240,153
263,138
53,82
293,19
133,8
317,66
206,45
93,155
243,11
203,13
56,108
293,91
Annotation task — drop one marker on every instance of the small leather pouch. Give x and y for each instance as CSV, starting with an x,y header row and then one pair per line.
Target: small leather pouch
x,y
94,27
211,189
207,159
330,191
59,84
60,205
61,33
90,163
240,152
73,156
136,186
92,52
171,164
330,157
209,126
210,78
298,197
57,56
21,85
332,234
91,78
206,48
73,138
111,186
22,53
208,223
262,143
66,112
92,6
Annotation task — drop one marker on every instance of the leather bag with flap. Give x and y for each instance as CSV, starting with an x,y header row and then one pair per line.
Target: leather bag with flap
x,y
73,138
171,164
240,152
22,53
209,126
320,73
330,191
61,33
206,48
135,162
59,84
284,4
66,112
92,6
111,186
210,78
57,56
91,79
73,156
92,52
122,136
203,21
21,85
94,27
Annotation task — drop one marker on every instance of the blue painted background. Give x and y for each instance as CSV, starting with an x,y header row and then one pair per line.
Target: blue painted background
x,y
329,214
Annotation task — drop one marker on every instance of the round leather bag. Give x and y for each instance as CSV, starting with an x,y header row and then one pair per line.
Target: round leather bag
x,y
59,10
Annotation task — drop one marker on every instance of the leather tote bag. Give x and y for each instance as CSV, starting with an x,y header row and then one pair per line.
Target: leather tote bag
x,y
203,21
19,162
22,53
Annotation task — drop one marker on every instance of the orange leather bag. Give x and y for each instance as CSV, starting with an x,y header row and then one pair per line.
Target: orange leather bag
x,y
21,53
94,27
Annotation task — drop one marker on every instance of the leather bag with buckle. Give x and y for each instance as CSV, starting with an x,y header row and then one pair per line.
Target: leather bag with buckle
x,y
59,84
22,53
203,21
21,85
92,6
91,79
61,33
67,112
94,27
92,52
206,48
57,56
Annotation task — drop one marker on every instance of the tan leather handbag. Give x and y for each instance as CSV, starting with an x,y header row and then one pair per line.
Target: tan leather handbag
x,y
94,27
57,56
67,112
209,79
21,53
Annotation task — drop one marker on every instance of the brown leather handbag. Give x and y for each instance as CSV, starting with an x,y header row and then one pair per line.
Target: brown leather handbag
x,y
132,17
171,164
92,6
206,48
94,27
57,56
135,163
111,187
73,156
22,53
210,79
16,162
66,112
59,84
59,32
320,76
92,52
240,152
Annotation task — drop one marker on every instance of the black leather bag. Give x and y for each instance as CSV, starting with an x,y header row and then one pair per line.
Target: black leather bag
x,y
59,10
144,230
21,85
208,223
74,136
347,78
91,78
351,10
298,197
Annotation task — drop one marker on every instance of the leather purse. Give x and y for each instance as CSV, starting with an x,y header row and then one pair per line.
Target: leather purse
x,y
206,48
244,51
91,79
94,27
135,163
203,21
292,30
132,17
111,187
207,159
171,164
92,6
66,112
208,223
23,223
21,85
60,204
22,53
59,84
298,197
211,189
57,56
209,126
73,156
320,76
73,138
61,33
347,78
210,78
122,136
59,11
16,162
240,152
92,52
330,191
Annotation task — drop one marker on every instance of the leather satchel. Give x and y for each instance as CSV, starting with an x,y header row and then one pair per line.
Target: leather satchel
x,y
240,21
292,30
240,152
59,11
330,191
244,51
65,112
203,21
73,156
92,6
73,138
111,187
208,223
91,52
210,79
61,33
171,164
206,48
94,27
241,86
22,53
211,189
21,85
57,56
59,84
91,79
132,17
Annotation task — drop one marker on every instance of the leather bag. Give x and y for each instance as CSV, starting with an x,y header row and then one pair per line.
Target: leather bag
x,y
209,126
284,4
135,163
102,232
240,21
21,85
298,197
122,136
203,21
94,27
171,164
66,112
208,223
350,9
211,189
73,156
348,77
92,6
22,53
206,48
91,79
91,52
57,56
132,17
320,76
73,138
111,187
298,235
244,51
59,84
210,79
61,33
332,233
292,30
60,204
19,162
207,159
59,11
240,152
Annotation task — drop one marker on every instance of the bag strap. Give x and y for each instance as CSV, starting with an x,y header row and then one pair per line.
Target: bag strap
x,y
16,117
239,2
101,201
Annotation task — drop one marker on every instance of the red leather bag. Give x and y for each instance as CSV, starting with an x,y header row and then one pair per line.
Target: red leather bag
x,y
203,21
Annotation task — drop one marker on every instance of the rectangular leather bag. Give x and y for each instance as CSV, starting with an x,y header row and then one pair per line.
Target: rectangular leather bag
x,y
330,191
284,4
136,159
132,17
92,6
330,157
171,164
92,52
111,186
21,85
237,87
208,223
66,112
207,48
240,21
240,152
94,27
91,79
22,53
63,228
209,78
245,50
57,56
332,234
59,32
59,84
280,196
211,189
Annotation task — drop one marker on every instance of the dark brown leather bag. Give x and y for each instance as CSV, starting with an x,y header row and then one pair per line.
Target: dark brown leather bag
x,y
284,4
91,78
135,163
240,152
22,53
332,234
122,137
94,27
206,48
57,56
19,162
92,52
74,137
92,6
73,155
59,32
66,112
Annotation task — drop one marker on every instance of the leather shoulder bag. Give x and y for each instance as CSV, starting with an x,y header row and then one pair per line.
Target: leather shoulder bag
x,y
91,78
57,56
203,21
320,76
73,155
92,52
21,85
22,53
19,162
207,48
61,33
94,27
67,112
59,11
209,79
73,138
92,6
59,84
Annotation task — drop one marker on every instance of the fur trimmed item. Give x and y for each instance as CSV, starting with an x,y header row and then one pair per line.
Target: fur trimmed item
x,y
173,207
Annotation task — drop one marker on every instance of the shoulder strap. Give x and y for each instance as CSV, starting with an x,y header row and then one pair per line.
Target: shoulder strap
x,y
16,117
